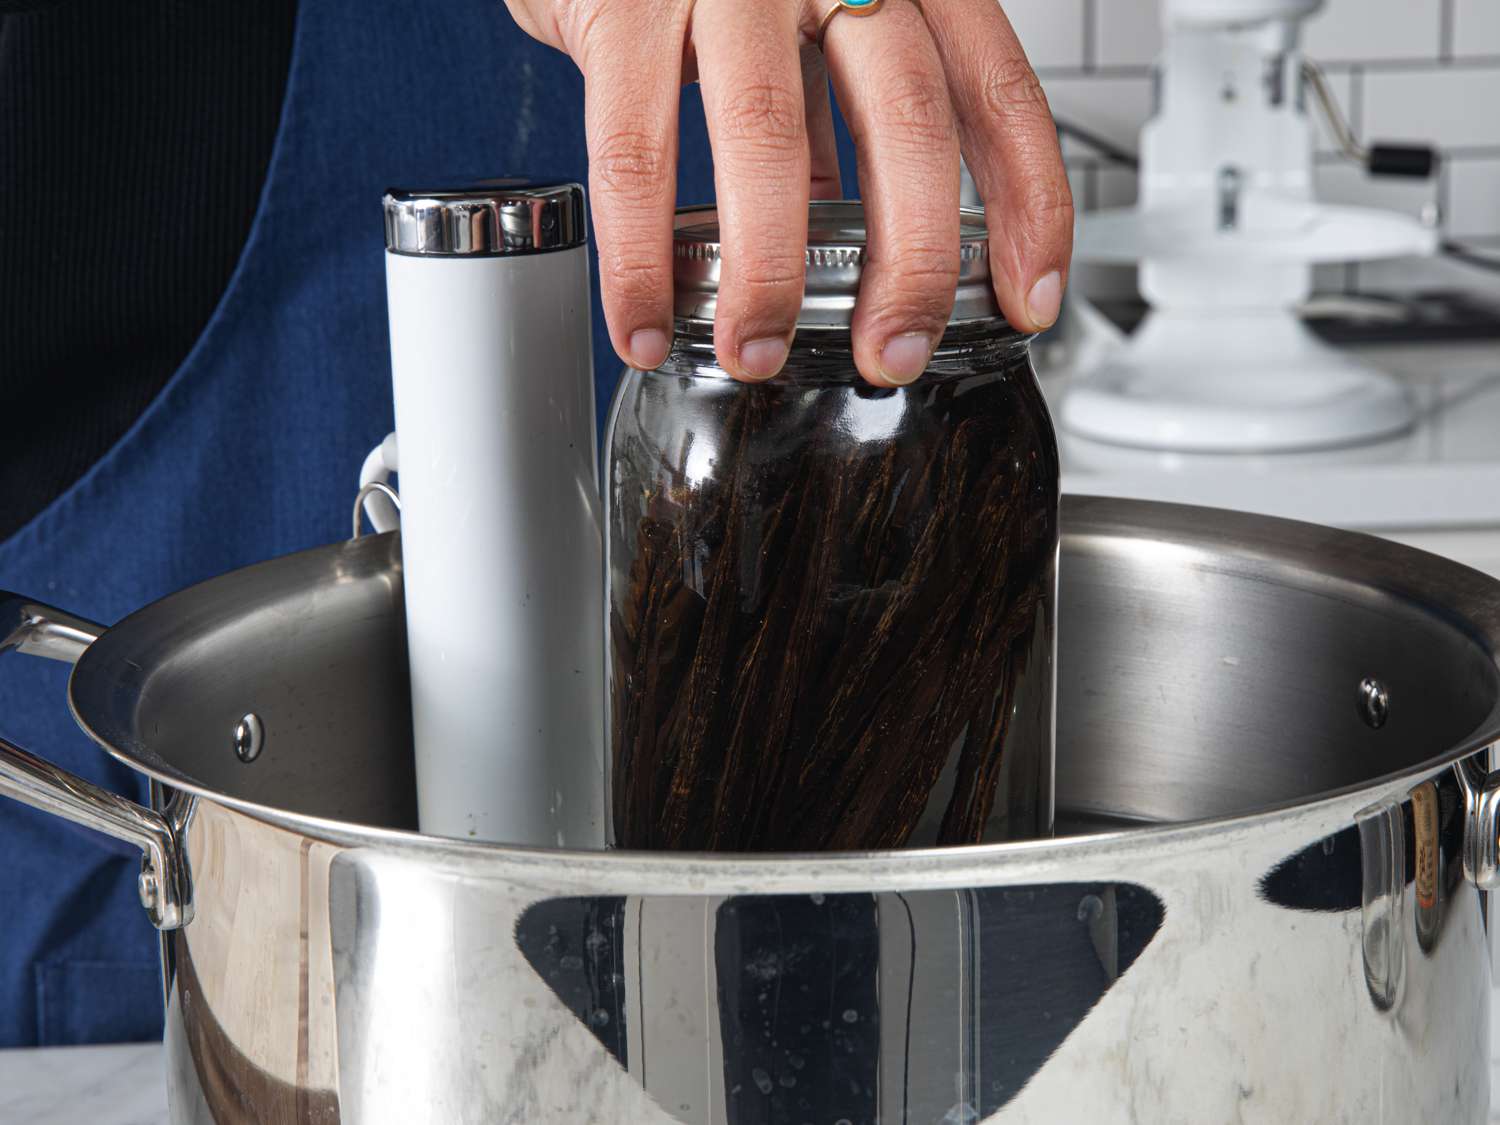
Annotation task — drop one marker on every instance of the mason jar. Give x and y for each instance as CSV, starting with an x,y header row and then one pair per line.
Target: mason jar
x,y
831,606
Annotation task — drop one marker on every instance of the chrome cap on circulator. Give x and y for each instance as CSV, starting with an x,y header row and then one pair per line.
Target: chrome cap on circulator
x,y
835,260
493,218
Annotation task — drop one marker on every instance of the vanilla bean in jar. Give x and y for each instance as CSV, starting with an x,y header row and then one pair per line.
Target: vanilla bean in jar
x,y
831,606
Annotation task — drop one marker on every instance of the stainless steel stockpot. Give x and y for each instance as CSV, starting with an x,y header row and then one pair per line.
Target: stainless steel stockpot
x,y
1273,750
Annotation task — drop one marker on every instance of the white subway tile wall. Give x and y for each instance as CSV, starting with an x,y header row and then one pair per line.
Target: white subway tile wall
x,y
1474,198
1458,106
1129,32
1112,108
1359,30
1476,28
1052,31
1404,70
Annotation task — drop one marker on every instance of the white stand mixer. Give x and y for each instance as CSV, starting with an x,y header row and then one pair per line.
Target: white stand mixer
x,y
1226,233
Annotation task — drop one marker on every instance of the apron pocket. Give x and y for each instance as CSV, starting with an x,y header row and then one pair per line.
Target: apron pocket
x,y
97,1002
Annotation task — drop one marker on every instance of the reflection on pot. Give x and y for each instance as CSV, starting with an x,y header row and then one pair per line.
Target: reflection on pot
x,y
752,1009
1400,860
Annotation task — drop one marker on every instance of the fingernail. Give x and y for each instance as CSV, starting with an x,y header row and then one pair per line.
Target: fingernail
x,y
648,348
1045,300
905,357
762,359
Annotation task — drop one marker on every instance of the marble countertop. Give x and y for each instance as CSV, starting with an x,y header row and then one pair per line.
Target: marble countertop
x,y
122,1084
125,1085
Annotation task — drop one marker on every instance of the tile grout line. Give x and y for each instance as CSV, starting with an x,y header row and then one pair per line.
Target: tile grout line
x,y
1090,36
1416,65
1431,65
1446,15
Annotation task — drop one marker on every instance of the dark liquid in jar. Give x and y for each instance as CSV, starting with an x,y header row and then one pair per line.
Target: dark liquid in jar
x,y
832,627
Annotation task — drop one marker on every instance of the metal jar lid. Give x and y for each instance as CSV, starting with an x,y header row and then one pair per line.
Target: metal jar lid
x,y
493,218
835,259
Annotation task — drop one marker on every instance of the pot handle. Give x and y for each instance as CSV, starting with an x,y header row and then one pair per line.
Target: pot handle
x,y
40,630
1481,855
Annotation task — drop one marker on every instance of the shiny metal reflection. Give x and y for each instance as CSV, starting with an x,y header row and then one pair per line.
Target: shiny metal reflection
x,y
249,738
1267,903
1374,702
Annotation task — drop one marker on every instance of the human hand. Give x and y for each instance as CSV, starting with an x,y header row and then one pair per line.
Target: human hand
x,y
915,85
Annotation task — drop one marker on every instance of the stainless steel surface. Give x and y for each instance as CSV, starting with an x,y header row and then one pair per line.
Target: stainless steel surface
x,y
165,891
1374,702
1481,843
502,217
42,630
249,737
1239,937
365,492
968,192
313,643
164,887
834,262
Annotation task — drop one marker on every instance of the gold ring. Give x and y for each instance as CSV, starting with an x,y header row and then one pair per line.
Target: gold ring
x,y
853,7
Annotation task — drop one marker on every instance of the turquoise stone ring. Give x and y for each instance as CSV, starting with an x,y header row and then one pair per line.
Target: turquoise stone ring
x,y
853,7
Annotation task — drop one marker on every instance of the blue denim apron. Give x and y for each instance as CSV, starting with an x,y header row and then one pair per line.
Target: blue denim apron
x,y
252,449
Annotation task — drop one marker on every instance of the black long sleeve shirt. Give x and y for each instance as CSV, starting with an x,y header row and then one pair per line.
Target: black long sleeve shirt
x,y
134,141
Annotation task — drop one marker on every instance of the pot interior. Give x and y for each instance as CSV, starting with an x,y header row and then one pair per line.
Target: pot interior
x,y
1210,664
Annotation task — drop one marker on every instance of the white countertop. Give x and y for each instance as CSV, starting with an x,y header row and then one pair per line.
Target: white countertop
x,y
1444,474
124,1084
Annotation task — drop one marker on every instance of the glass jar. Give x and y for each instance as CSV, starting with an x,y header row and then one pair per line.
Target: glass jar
x,y
831,606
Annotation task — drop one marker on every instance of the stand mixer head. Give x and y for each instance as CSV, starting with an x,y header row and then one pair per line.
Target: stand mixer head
x,y
1226,234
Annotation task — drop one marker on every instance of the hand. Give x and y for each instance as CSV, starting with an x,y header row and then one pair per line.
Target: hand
x,y
914,85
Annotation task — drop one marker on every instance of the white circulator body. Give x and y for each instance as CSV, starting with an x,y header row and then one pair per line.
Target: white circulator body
x,y
1226,234
501,543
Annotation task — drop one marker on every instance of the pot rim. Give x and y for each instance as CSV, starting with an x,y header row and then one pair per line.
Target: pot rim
x,y
1079,858
1465,599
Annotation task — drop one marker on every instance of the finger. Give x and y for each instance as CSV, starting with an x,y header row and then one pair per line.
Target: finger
x,y
752,97
894,96
543,30
631,58
822,142
1011,145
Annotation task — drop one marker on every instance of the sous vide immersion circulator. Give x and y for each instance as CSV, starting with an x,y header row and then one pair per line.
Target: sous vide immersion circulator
x,y
488,291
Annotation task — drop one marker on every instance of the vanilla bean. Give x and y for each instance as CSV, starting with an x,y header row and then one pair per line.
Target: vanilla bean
x,y
831,613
